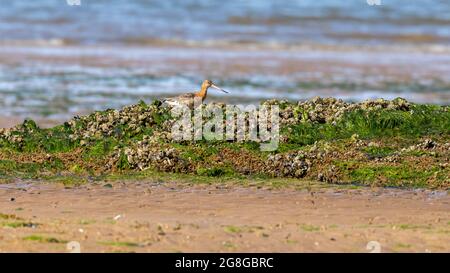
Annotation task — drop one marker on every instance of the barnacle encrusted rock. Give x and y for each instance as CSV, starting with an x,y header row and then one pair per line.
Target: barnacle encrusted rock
x,y
323,138
135,119
144,155
288,165
329,110
131,120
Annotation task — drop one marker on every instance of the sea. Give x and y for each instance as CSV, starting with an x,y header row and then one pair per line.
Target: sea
x,y
61,58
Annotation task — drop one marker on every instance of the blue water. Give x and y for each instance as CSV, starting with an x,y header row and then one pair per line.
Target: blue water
x,y
58,60
293,21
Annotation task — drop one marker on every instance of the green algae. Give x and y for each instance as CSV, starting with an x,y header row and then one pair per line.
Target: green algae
x,y
393,130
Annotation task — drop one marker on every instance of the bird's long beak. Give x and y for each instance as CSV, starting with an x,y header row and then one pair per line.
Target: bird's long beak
x,y
218,88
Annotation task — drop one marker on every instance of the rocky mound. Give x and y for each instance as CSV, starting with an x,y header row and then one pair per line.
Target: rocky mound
x,y
392,141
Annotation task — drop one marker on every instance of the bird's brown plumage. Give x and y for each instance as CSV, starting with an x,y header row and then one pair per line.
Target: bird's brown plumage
x,y
188,99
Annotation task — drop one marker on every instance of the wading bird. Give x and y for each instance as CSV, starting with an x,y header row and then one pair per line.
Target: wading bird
x,y
189,98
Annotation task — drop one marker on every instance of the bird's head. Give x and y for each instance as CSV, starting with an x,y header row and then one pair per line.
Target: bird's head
x,y
207,84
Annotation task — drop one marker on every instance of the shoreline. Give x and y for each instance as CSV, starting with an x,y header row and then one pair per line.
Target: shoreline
x,y
69,80
11,121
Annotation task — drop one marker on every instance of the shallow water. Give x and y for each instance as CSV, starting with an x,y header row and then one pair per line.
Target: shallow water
x,y
57,60
331,21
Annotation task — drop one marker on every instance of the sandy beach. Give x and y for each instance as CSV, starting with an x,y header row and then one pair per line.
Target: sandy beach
x,y
149,216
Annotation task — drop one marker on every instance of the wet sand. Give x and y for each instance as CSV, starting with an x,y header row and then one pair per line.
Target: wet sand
x,y
141,216
8,122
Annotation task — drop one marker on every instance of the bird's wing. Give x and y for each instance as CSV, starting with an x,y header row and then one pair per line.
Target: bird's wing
x,y
179,99
186,96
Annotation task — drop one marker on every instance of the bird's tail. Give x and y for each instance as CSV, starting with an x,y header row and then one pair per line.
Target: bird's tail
x,y
169,102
